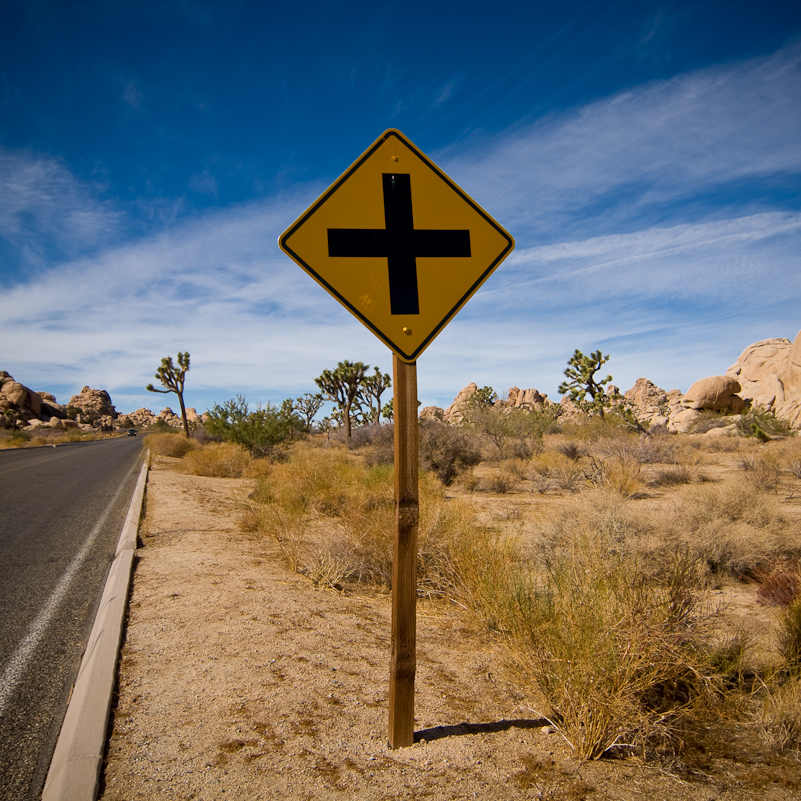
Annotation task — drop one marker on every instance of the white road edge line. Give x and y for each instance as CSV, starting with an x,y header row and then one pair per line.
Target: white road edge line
x,y
18,661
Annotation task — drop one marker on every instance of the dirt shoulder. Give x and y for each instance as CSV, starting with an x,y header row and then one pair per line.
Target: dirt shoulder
x,y
239,679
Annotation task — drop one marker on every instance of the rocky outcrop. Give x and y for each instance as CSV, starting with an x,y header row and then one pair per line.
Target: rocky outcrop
x,y
22,406
432,413
18,403
93,404
525,399
170,418
769,373
651,404
20,398
455,413
142,418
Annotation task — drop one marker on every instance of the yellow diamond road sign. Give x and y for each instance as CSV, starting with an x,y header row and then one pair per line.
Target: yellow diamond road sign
x,y
397,243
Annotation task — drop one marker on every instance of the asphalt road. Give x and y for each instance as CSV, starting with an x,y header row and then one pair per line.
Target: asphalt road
x,y
61,513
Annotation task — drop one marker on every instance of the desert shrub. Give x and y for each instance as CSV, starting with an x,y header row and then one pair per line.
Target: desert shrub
x,y
600,513
376,441
761,423
456,556
763,472
570,449
217,460
709,419
446,450
734,527
202,435
622,474
498,482
171,444
609,648
654,449
671,476
566,475
469,481
779,718
552,467
779,582
594,427
789,637
509,433
515,467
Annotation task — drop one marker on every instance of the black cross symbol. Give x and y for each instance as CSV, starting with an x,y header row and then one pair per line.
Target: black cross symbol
x,y
400,243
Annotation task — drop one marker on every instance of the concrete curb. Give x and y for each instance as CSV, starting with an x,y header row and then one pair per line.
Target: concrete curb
x,y
74,773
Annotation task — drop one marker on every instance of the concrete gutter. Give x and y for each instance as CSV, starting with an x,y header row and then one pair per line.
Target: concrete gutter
x,y
74,773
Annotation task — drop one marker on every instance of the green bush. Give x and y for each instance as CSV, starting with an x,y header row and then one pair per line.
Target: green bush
x,y
259,431
761,423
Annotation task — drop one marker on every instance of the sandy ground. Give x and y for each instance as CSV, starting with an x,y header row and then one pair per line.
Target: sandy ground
x,y
238,679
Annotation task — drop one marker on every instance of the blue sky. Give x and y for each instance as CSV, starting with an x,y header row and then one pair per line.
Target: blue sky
x,y
646,156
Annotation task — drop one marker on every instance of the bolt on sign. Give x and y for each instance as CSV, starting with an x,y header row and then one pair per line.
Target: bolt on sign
x,y
398,243
403,248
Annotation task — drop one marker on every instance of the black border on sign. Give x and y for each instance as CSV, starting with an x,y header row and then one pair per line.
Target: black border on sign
x,y
282,243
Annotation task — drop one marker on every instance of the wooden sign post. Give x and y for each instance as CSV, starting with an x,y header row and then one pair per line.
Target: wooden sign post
x,y
403,248
404,565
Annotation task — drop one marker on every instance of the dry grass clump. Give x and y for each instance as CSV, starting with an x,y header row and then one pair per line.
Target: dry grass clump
x,y
671,476
615,654
218,460
169,444
778,720
603,513
621,473
334,520
733,526
504,477
730,528
553,468
763,472
789,636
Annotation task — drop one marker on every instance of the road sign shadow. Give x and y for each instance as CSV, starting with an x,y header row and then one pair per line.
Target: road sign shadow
x,y
438,732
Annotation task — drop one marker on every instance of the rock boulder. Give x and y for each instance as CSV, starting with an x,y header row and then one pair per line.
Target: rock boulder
x,y
717,393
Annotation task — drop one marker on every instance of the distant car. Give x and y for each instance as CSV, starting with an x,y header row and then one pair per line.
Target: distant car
x,y
131,432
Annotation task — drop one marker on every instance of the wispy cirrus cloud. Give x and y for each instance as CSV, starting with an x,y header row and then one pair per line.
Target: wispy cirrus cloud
x,y
698,139
47,214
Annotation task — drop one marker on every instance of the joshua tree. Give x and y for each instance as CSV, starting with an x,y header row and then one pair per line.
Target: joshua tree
x,y
373,387
307,407
173,378
342,386
581,372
